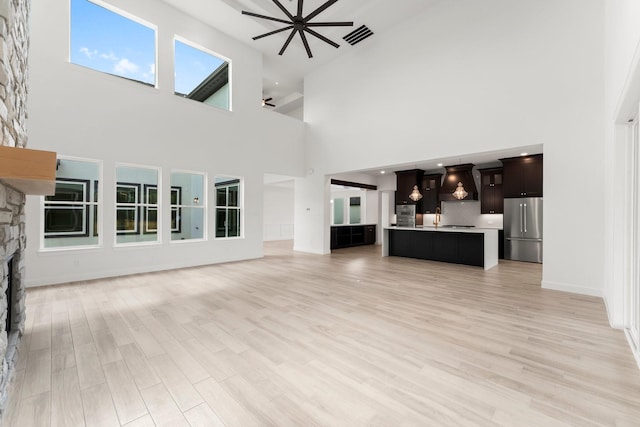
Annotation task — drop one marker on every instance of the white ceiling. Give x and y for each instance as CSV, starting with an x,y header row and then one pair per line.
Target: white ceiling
x,y
485,159
289,69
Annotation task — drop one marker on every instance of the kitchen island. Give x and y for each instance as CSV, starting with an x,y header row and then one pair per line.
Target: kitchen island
x,y
469,246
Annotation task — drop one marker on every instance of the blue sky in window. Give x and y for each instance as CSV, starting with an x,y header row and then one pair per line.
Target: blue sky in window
x,y
192,66
108,42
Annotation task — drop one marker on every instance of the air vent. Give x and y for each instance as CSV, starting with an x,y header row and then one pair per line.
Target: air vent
x,y
357,35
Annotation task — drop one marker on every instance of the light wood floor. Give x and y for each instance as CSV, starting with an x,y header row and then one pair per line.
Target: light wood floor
x,y
349,339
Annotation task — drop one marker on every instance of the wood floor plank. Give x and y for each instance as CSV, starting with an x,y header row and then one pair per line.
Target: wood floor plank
x,y
162,407
98,407
189,366
14,396
203,416
63,355
224,405
66,405
142,372
178,385
351,338
126,397
34,411
145,421
37,377
90,371
106,346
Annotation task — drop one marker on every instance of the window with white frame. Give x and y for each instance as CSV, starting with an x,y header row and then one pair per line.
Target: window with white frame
x,y
228,207
71,216
111,41
347,205
188,206
201,75
137,201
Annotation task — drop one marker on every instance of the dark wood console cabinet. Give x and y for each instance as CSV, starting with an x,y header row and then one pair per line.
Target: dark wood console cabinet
x,y
345,236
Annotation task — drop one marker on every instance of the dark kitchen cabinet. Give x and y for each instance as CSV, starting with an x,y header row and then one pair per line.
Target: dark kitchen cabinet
x,y
522,176
491,196
345,236
431,192
459,248
445,247
471,249
405,180
411,244
370,234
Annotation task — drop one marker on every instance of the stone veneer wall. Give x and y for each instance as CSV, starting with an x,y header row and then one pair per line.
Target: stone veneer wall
x,y
14,44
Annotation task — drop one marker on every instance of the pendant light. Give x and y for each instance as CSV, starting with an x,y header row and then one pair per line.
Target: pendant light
x,y
460,192
415,194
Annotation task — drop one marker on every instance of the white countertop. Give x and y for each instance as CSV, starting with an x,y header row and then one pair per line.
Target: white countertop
x,y
446,229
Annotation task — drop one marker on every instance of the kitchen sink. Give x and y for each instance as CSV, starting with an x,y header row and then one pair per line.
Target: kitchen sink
x,y
457,226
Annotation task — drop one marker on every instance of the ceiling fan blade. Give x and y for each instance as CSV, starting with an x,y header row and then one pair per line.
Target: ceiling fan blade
x,y
319,10
283,9
321,37
268,99
306,43
270,105
286,44
273,32
244,12
329,24
299,8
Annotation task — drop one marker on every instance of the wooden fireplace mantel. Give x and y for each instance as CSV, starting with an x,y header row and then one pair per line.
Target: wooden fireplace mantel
x,y
29,171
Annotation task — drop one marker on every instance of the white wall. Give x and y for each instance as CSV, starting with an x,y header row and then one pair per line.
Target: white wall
x,y
467,77
622,98
278,211
80,112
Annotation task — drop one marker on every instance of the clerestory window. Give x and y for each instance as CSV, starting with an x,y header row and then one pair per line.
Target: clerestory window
x,y
112,41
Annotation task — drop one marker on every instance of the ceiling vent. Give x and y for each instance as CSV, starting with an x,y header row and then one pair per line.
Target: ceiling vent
x,y
357,35
455,174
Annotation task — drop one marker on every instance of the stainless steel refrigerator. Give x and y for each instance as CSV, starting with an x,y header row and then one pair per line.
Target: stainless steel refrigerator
x,y
523,229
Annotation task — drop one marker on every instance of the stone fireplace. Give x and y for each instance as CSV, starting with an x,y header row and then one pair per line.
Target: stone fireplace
x,y
14,43
12,295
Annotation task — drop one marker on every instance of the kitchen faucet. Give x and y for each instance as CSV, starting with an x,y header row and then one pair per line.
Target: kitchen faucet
x,y
438,218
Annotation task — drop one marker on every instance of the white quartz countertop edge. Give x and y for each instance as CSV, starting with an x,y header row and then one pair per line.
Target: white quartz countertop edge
x,y
446,230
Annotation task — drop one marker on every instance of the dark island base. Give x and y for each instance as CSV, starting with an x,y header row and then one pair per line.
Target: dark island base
x,y
458,248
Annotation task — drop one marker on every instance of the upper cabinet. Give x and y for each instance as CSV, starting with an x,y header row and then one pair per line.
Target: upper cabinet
x,y
491,194
405,181
430,192
522,176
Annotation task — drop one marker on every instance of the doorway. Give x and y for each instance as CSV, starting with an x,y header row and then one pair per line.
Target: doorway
x,y
633,249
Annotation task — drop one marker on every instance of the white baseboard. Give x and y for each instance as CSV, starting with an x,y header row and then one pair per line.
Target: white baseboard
x,y
309,250
95,275
566,287
614,325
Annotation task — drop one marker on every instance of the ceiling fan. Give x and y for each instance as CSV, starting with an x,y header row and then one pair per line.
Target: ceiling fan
x,y
300,24
265,102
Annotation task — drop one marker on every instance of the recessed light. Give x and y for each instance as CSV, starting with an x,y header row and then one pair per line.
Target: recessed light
x,y
277,83
524,154
440,165
382,171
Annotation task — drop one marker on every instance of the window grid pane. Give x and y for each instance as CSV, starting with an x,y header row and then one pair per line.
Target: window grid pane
x,y
70,217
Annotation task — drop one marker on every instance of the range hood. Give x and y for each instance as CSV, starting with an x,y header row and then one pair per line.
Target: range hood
x,y
455,174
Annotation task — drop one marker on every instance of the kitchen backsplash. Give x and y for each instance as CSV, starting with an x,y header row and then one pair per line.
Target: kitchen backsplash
x,y
465,213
